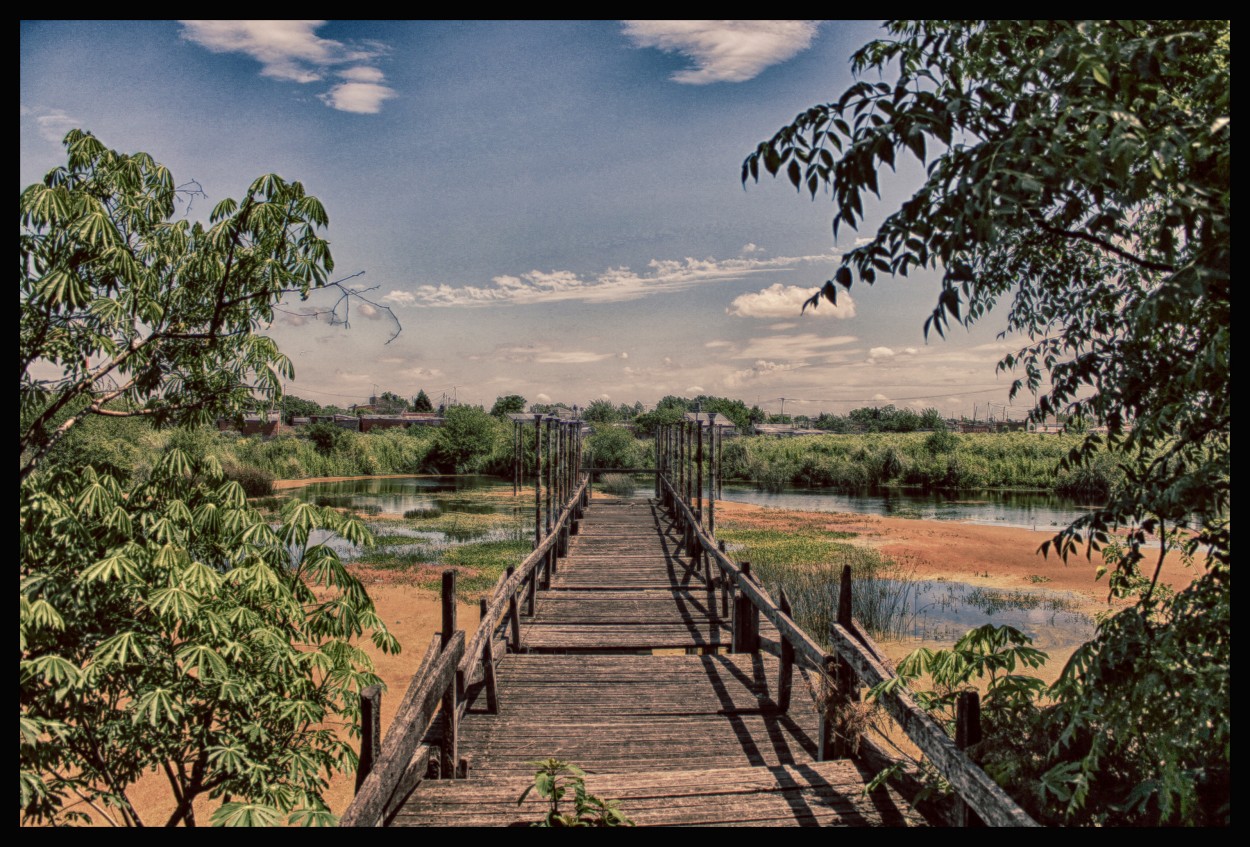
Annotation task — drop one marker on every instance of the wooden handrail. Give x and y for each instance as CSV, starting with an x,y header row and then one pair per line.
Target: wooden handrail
x,y
434,677
509,585
852,645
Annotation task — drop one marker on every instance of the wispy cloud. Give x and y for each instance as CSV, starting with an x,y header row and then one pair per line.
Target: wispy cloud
x,y
293,52
611,286
52,123
786,301
724,51
792,347
762,369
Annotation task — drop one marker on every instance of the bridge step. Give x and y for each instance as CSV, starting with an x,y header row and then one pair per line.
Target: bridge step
x,y
814,794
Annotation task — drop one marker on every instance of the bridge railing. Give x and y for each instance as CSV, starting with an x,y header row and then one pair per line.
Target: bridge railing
x,y
390,769
854,660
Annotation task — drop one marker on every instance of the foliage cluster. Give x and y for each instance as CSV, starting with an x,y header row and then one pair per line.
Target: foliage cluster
x,y
553,780
939,460
165,625
1080,172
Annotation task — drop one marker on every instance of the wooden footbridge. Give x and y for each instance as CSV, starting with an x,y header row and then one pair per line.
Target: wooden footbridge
x,y
628,643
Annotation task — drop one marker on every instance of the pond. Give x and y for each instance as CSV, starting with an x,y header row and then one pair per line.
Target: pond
x,y
1032,510
397,495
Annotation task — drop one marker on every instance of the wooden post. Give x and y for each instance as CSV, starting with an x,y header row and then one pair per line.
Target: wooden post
x,y
370,731
967,733
488,663
455,691
785,675
846,687
514,617
724,586
538,481
720,456
551,475
698,464
531,589
711,477
746,619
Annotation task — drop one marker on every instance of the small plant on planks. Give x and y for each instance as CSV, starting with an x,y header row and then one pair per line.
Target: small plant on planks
x,y
553,780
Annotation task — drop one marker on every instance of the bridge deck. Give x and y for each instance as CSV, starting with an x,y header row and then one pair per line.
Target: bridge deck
x,y
677,739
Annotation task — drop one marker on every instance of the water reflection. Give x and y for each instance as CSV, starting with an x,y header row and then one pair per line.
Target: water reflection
x,y
1033,510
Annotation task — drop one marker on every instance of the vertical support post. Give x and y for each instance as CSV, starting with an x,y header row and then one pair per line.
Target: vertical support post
x,y
746,619
711,477
455,692
659,464
846,684
370,732
724,586
785,675
967,733
514,618
551,468
720,456
488,663
698,463
538,481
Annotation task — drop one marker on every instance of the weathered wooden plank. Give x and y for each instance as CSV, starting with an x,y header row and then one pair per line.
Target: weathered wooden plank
x,y
984,795
829,793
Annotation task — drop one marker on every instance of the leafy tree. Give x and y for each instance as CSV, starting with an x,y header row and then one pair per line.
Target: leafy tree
x,y
144,315
601,411
466,440
422,402
390,403
164,625
1080,172
297,407
513,404
613,447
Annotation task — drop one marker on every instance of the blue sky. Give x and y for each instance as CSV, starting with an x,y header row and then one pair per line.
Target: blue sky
x,y
550,208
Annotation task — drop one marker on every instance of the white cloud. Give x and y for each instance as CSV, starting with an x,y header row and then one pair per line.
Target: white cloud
x,y
54,123
714,344
694,389
603,397
400,298
724,51
362,73
781,326
880,397
786,301
790,347
751,247
611,286
543,398
361,98
880,353
293,52
761,369
570,357
622,355
367,311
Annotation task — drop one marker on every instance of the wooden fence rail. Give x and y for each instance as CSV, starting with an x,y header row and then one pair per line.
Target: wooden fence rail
x,y
854,660
387,775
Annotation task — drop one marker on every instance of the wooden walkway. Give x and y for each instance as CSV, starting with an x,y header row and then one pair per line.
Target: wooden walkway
x,y
626,674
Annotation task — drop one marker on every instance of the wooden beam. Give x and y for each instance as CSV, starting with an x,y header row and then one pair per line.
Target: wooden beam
x,y
436,674
370,731
981,793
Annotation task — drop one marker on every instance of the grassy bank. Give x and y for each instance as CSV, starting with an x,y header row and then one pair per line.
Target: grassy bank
x,y
940,460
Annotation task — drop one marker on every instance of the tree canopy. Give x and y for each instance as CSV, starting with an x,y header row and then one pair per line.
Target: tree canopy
x,y
165,624
1079,173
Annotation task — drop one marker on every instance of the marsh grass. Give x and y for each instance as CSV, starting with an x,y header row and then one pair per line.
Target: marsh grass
x,y
807,562
429,512
617,484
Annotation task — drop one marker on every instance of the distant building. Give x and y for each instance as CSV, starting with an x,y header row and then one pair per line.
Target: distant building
x,y
265,424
